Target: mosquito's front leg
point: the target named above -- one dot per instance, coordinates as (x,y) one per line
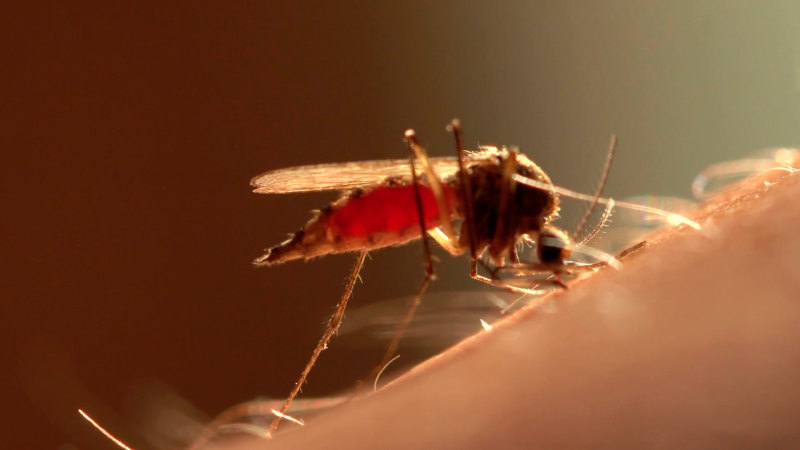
(513,255)
(523,268)
(530,268)
(500,241)
(511,288)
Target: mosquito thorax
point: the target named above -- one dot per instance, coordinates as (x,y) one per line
(504,209)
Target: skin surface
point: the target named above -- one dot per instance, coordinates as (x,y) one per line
(694,344)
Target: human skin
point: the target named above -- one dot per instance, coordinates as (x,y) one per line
(695,343)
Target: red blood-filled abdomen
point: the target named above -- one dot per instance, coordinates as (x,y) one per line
(387,210)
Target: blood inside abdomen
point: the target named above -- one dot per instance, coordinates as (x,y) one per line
(388,210)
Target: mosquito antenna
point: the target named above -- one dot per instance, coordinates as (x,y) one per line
(612,148)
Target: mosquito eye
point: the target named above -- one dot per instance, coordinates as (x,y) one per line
(553,246)
(551,253)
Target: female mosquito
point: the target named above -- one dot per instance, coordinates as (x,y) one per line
(501,197)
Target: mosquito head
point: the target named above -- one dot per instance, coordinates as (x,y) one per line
(553,246)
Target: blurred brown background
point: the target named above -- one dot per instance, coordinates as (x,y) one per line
(130,132)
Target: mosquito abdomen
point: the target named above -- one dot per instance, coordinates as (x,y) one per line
(366,219)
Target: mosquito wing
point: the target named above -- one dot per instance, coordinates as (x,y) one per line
(342,176)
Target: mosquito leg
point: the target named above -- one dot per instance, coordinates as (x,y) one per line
(513,255)
(532,268)
(506,191)
(556,270)
(632,249)
(434,183)
(536,268)
(466,194)
(451,245)
(333,326)
(510,288)
(496,282)
(468,226)
(525,268)
(416,151)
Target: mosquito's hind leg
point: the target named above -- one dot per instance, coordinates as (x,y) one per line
(333,325)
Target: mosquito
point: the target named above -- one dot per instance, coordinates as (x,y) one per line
(500,196)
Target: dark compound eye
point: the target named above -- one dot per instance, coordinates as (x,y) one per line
(553,246)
